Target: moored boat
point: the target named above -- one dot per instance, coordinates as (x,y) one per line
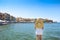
(3,22)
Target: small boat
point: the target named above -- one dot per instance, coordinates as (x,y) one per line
(3,22)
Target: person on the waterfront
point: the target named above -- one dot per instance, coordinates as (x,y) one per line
(39,25)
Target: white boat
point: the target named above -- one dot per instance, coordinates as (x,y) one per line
(3,22)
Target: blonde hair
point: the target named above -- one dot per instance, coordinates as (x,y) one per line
(39,23)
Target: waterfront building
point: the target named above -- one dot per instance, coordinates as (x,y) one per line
(1,16)
(12,18)
(17,19)
(7,16)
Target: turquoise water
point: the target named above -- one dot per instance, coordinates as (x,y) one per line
(51,31)
(26,31)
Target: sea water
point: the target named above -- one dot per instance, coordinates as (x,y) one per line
(26,31)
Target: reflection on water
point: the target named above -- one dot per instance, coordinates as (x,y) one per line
(26,31)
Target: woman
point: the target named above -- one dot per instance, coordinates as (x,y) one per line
(39,25)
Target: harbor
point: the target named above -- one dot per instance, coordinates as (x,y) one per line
(6,18)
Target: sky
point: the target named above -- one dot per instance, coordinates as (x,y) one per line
(49,9)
